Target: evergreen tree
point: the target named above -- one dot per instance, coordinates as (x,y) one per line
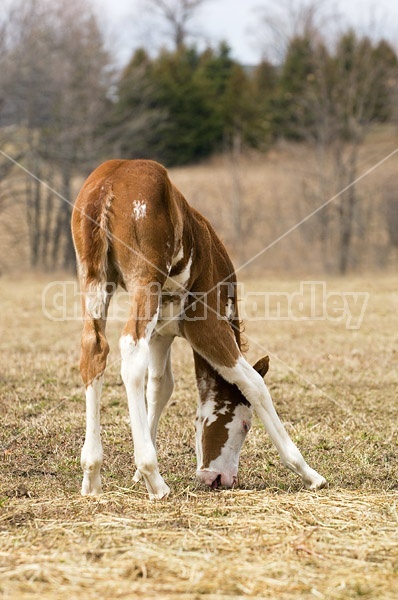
(136,124)
(288,111)
(189,132)
(183,105)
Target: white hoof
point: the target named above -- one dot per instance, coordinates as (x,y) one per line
(316,482)
(160,494)
(137,476)
(91,485)
(156,486)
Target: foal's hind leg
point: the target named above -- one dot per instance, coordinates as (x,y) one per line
(94,352)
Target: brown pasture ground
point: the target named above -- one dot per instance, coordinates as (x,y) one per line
(335,389)
(254,200)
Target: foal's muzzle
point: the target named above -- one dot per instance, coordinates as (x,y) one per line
(214,480)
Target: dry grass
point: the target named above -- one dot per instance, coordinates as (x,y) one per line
(279,188)
(276,190)
(334,388)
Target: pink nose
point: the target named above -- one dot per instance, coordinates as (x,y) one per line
(214,480)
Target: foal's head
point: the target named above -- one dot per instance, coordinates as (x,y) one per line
(223,419)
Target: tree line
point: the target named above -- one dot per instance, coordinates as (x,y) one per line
(184,105)
(64,107)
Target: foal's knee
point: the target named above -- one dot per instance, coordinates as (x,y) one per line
(135,359)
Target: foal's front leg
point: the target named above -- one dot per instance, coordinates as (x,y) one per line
(254,388)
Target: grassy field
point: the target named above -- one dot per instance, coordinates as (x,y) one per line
(254,200)
(336,391)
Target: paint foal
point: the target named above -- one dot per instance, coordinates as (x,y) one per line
(132,227)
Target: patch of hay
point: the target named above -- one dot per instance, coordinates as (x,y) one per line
(220,544)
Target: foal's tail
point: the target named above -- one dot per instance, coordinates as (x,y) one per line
(92,237)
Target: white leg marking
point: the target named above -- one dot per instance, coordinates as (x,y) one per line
(160,381)
(97,300)
(254,389)
(91,456)
(135,359)
(160,384)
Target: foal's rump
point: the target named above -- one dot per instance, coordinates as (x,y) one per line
(124,223)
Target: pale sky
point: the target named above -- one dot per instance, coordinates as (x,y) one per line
(236,21)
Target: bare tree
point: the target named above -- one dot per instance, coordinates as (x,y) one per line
(54,83)
(342,89)
(177,14)
(349,95)
(390,213)
(285,20)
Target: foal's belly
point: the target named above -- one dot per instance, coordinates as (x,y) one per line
(171,312)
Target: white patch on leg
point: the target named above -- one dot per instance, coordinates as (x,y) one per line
(160,384)
(160,381)
(91,456)
(96,298)
(252,386)
(135,359)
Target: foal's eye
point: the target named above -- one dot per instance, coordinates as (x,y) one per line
(245,426)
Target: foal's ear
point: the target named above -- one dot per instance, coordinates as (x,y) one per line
(262,365)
